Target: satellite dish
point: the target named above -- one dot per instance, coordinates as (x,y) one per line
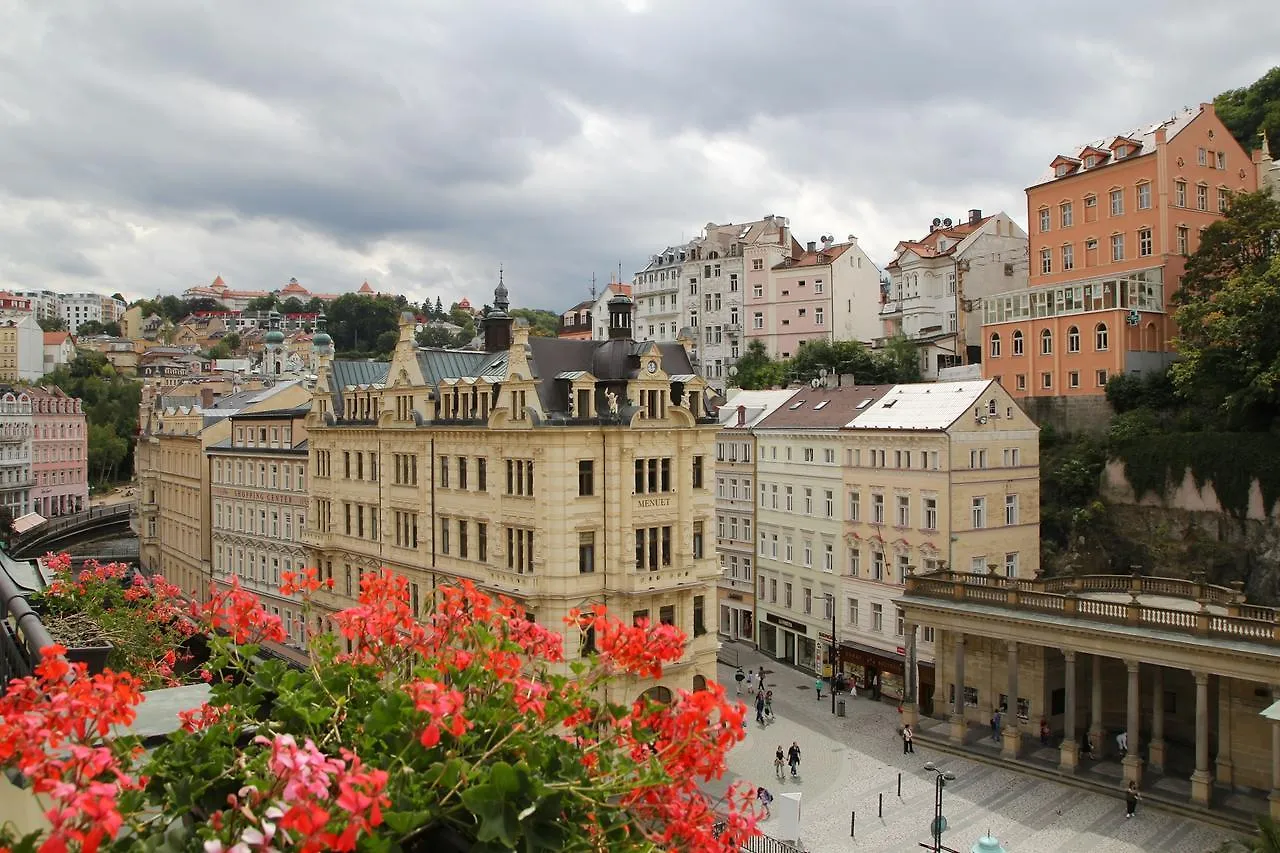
(947,222)
(936,222)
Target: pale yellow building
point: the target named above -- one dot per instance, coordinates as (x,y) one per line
(560,473)
(258,493)
(172,467)
(736,507)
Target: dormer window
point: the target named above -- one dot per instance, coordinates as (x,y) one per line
(1063,165)
(1062,169)
(1090,161)
(1122,152)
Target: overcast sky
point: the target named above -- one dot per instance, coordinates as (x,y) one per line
(149,145)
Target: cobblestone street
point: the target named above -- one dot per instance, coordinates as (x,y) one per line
(849,762)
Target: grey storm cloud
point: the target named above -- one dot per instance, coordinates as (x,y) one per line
(146,145)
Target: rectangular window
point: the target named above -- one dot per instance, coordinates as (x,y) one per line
(930,513)
(1202,197)
(1180,194)
(1183,240)
(1101,377)
(1224,199)
(1011,564)
(462,472)
(1117,247)
(444,536)
(586,478)
(1117,202)
(1068,257)
(444,472)
(1044,219)
(786,595)
(482,539)
(1010,509)
(819,318)
(854,507)
(698,469)
(877,509)
(1144,196)
(1144,242)
(586,553)
(979,513)
(482,473)
(829,503)
(877,618)
(1065,214)
(462,538)
(698,545)
(699,615)
(852,615)
(904,511)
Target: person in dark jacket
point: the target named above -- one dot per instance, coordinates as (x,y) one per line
(793,758)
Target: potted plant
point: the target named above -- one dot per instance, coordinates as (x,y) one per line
(466,730)
(84,639)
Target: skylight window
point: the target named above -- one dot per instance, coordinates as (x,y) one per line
(889,405)
(795,406)
(820,405)
(865,403)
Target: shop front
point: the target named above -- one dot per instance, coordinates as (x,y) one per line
(736,617)
(788,641)
(879,672)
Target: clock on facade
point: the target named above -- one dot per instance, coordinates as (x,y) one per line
(653,367)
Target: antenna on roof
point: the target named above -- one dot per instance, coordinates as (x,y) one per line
(593,287)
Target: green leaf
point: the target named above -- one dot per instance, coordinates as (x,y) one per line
(406,822)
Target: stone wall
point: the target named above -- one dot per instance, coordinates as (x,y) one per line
(1069,414)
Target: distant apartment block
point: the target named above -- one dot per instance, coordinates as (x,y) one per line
(1111,225)
(937,283)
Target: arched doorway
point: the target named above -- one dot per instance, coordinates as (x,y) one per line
(699,683)
(659,694)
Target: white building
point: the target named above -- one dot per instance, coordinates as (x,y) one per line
(937,283)
(78,308)
(736,506)
(21,347)
(15,451)
(700,286)
(45,304)
(59,349)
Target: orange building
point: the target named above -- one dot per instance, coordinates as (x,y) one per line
(1110,226)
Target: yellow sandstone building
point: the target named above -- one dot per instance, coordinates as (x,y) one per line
(560,473)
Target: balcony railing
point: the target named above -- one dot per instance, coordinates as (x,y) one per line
(1232,619)
(21,634)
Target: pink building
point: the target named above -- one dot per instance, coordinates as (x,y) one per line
(59,453)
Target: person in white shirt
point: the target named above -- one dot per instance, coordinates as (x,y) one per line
(1122,741)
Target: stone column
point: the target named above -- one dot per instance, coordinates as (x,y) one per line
(1155,752)
(1096,731)
(1275,758)
(1202,779)
(1068,754)
(958,725)
(1225,771)
(911,680)
(1012,727)
(1132,761)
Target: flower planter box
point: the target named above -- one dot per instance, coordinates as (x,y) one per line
(95,657)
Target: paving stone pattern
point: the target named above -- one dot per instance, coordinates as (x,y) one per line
(848,762)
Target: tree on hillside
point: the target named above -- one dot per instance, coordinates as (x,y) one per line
(436,336)
(357,323)
(1251,109)
(542,323)
(1227,334)
(757,370)
(263,303)
(52,324)
(110,402)
(93,327)
(292,305)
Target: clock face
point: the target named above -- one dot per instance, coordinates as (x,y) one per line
(653,367)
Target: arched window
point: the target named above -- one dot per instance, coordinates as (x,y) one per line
(1017,342)
(1046,342)
(1100,337)
(1073,339)
(995,344)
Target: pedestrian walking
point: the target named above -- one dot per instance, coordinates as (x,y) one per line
(1131,797)
(908,746)
(751,682)
(738,677)
(768,704)
(1122,741)
(1044,732)
(995,725)
(761,678)
(778,762)
(760,706)
(817,687)
(793,758)
(765,799)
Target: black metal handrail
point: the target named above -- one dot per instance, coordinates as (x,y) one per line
(22,636)
(54,526)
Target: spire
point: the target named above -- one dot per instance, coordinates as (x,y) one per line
(500,301)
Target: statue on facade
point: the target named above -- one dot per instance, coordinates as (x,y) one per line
(612,398)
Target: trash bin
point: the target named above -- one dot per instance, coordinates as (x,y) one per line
(840,708)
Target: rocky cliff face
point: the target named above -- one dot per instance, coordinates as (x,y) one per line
(1177,535)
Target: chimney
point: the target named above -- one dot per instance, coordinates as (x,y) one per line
(813,246)
(206,397)
(974,215)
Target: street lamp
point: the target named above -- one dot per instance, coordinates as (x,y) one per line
(834,654)
(942,777)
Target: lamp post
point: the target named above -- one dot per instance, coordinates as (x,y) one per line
(832,596)
(941,778)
